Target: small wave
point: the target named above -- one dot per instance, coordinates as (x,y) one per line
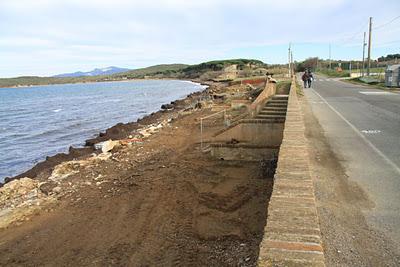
(57,110)
(190,82)
(110,101)
(198,84)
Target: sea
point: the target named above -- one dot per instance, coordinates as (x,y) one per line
(40,121)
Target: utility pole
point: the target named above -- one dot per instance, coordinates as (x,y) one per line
(363,61)
(289,65)
(330,61)
(291,60)
(369,46)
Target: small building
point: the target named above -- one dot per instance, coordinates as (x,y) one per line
(392,76)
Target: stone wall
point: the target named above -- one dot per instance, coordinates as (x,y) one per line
(292,235)
(267,93)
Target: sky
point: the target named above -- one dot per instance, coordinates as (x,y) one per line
(48,37)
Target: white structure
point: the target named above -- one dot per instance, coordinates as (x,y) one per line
(392,76)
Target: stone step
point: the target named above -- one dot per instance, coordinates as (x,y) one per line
(278,120)
(281,96)
(272,112)
(277,101)
(276,105)
(260,116)
(266,108)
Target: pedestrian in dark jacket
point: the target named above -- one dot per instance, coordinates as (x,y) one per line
(305,78)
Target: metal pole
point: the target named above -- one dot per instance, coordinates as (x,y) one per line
(330,61)
(369,46)
(291,59)
(289,66)
(363,61)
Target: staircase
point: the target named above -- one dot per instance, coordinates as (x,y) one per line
(275,109)
(253,138)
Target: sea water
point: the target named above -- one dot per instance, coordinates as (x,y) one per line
(41,121)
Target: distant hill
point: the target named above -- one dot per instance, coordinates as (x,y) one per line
(212,70)
(96,72)
(164,69)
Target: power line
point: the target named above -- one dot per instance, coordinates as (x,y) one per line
(347,40)
(350,38)
(385,24)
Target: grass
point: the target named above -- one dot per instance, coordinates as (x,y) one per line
(346,73)
(299,88)
(282,87)
(372,70)
(333,73)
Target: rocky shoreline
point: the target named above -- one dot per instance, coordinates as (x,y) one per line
(118,131)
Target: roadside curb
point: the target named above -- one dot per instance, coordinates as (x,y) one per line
(292,236)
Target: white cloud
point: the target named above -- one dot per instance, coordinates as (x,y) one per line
(63,34)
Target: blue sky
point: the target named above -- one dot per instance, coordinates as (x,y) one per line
(47,37)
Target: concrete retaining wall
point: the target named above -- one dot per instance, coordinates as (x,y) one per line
(243,152)
(268,92)
(292,235)
(258,133)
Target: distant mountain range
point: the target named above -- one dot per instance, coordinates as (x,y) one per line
(95,72)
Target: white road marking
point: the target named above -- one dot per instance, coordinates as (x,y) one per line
(371,131)
(375,93)
(380,153)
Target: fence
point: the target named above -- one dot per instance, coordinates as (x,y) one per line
(218,122)
(212,121)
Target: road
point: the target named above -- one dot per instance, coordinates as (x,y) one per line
(362,125)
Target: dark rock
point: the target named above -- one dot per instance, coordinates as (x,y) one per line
(198,105)
(167,106)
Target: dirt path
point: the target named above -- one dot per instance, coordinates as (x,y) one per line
(348,240)
(163,203)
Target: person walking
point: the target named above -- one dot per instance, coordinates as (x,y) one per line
(305,78)
(310,78)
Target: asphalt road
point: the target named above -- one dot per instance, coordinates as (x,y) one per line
(362,126)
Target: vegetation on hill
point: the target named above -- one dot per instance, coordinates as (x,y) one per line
(35,80)
(164,69)
(389,57)
(133,74)
(204,71)
(195,71)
